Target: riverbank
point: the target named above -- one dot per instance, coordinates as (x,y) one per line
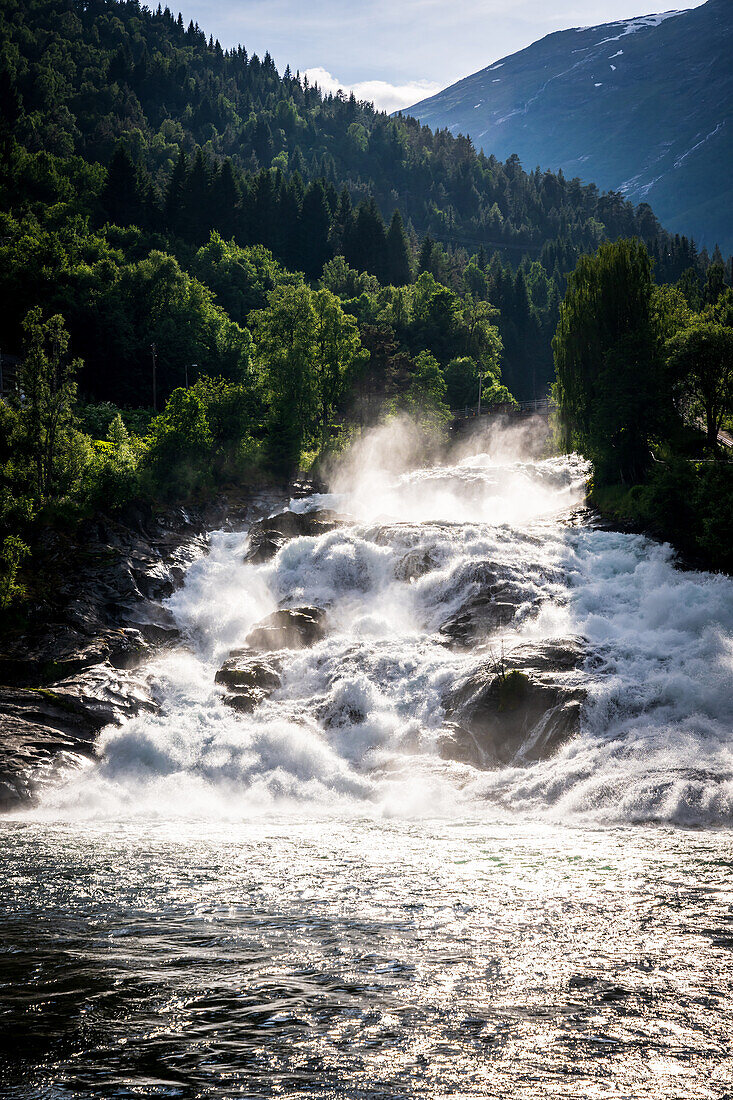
(686,503)
(73,663)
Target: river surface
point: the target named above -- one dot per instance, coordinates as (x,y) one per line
(312,901)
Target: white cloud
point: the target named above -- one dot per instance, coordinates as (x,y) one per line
(384,96)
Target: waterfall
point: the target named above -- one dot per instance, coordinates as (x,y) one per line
(438,576)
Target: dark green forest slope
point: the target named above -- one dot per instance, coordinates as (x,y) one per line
(117,116)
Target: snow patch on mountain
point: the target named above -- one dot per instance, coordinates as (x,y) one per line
(633,25)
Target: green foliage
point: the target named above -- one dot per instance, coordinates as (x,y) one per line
(179,445)
(461,377)
(425,394)
(46,410)
(241,278)
(306,348)
(134,136)
(608,361)
(686,503)
(637,371)
(512,687)
(113,476)
(13,551)
(700,360)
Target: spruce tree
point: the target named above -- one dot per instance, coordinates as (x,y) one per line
(124,196)
(175,196)
(425,257)
(399,271)
(313,230)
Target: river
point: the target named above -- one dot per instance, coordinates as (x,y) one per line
(324,897)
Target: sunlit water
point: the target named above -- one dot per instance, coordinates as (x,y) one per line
(309,900)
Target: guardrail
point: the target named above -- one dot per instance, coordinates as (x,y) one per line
(541,406)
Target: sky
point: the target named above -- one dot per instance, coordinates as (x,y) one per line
(396,52)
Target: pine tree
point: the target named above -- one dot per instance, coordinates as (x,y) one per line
(175,197)
(425,258)
(399,271)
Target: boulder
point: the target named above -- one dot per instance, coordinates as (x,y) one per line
(480,615)
(289,628)
(249,679)
(516,710)
(414,564)
(267,536)
(243,669)
(246,701)
(490,602)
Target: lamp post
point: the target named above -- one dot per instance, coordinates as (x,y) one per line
(153,352)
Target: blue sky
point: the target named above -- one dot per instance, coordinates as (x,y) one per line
(397,51)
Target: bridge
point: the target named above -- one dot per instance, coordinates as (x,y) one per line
(464,418)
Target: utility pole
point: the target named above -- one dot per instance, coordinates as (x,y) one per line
(153,352)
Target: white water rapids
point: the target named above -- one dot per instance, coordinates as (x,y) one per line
(354,728)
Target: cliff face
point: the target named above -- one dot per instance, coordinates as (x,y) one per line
(643,106)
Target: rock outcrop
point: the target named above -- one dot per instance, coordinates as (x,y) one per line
(249,679)
(478,617)
(267,536)
(94,617)
(414,564)
(492,602)
(289,628)
(43,729)
(518,710)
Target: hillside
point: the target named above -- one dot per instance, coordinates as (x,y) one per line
(642,106)
(126,136)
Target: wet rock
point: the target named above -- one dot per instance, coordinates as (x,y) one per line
(518,710)
(45,731)
(94,617)
(479,616)
(249,679)
(491,601)
(246,701)
(289,628)
(244,670)
(267,536)
(415,564)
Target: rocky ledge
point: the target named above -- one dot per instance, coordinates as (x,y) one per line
(516,710)
(267,536)
(250,675)
(97,617)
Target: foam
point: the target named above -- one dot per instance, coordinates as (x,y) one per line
(355,725)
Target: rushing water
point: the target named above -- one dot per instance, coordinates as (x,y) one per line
(311,900)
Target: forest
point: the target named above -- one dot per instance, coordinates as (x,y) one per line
(644,387)
(209,271)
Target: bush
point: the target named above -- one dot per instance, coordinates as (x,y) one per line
(13,551)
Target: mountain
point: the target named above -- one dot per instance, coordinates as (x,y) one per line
(79,77)
(643,106)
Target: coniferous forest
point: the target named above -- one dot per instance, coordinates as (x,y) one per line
(207,266)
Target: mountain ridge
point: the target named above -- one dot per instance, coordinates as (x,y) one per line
(642,106)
